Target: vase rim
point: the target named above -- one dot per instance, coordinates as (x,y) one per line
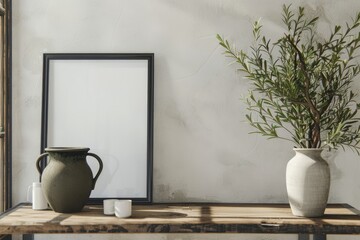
(67,149)
(308,149)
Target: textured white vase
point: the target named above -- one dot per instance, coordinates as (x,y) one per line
(308,182)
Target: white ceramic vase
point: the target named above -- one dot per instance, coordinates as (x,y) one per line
(308,182)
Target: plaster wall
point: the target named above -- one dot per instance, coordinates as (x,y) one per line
(202,149)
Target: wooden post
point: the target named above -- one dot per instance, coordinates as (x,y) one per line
(304,236)
(319,236)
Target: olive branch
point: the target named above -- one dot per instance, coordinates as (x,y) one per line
(302,84)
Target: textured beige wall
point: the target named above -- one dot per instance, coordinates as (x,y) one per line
(202,150)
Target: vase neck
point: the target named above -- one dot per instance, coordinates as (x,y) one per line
(309,152)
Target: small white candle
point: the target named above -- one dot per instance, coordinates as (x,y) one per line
(109,206)
(38,199)
(123,208)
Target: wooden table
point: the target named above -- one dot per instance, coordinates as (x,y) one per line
(184,218)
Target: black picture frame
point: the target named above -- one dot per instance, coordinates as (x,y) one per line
(50,59)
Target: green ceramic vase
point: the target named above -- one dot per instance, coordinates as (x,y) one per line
(67,179)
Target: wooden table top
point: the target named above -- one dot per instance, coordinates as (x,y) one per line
(183,218)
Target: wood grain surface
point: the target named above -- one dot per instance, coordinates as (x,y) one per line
(183,218)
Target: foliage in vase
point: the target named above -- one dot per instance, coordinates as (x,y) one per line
(302,82)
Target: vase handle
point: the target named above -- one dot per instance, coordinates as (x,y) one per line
(100,168)
(38,162)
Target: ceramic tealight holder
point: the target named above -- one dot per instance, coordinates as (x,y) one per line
(109,206)
(123,208)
